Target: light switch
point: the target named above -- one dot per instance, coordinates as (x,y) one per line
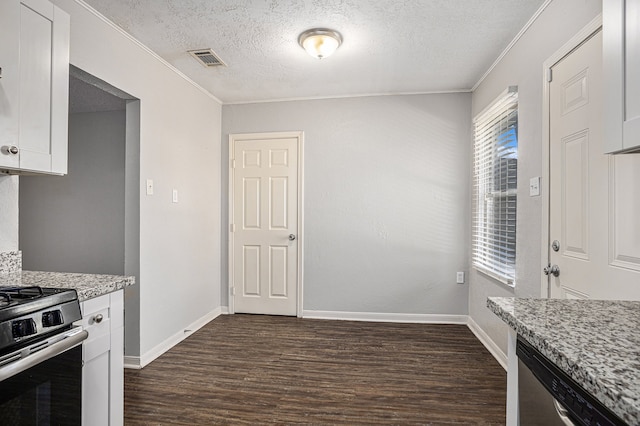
(149,186)
(534,186)
(174,196)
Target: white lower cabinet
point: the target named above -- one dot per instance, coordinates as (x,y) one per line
(103,358)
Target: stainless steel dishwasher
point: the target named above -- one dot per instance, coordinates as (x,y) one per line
(548,397)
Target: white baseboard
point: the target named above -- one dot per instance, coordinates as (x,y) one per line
(385,317)
(135,362)
(488,343)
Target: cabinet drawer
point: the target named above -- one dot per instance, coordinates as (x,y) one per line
(96,320)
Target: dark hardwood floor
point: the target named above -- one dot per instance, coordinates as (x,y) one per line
(253,369)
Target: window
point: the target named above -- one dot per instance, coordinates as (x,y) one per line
(495,170)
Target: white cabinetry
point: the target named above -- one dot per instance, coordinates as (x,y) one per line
(103,358)
(621,56)
(34,87)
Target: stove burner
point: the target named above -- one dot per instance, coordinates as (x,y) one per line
(5,299)
(32,292)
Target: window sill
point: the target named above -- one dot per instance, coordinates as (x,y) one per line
(507,282)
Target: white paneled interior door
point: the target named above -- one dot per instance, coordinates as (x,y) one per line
(264,228)
(594,198)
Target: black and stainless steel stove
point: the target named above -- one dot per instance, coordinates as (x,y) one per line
(40,356)
(30,313)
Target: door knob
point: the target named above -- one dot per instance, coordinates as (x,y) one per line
(11,149)
(552,269)
(292,237)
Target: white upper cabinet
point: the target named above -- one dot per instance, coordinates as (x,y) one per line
(34,87)
(621,55)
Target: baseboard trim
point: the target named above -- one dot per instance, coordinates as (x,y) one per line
(134,362)
(488,343)
(386,317)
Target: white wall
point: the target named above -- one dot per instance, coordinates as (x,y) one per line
(179,149)
(522,66)
(386,202)
(75,223)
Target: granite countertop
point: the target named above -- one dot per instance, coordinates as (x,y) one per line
(596,342)
(87,286)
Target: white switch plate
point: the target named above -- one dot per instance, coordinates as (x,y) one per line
(174,196)
(534,186)
(460,277)
(149,186)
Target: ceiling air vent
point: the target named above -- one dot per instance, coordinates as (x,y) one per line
(206,57)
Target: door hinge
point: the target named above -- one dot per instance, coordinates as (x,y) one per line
(233,291)
(232,227)
(233,164)
(549,75)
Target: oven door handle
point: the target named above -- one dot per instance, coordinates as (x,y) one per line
(73,338)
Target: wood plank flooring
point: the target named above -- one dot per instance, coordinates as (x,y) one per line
(254,369)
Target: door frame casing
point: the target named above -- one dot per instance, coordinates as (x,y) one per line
(299,136)
(583,35)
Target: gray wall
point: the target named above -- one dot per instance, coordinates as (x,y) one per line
(75,223)
(522,66)
(386,201)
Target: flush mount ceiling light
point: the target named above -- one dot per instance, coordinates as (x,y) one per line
(320,42)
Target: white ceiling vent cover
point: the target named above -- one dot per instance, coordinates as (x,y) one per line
(207,58)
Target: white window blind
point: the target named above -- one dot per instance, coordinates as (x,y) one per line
(495,182)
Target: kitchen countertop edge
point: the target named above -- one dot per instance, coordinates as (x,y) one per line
(610,392)
(88,286)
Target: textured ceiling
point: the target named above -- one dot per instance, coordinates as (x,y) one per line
(390,46)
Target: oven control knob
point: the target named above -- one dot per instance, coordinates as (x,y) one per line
(23,328)
(52,318)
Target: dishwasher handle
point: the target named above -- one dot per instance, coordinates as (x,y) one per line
(71,338)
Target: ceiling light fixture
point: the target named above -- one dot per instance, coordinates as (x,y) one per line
(320,42)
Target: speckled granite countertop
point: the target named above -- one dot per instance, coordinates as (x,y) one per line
(88,286)
(596,342)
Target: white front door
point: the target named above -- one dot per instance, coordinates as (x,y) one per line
(265,236)
(594,198)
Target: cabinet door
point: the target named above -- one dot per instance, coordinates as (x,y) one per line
(9,82)
(103,357)
(631,119)
(621,66)
(44,87)
(96,355)
(95,390)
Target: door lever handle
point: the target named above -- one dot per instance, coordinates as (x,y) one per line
(292,237)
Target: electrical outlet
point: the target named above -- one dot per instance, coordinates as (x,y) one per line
(460,277)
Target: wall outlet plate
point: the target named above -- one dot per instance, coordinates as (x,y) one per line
(460,277)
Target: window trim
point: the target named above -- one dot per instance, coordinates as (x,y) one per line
(504,103)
